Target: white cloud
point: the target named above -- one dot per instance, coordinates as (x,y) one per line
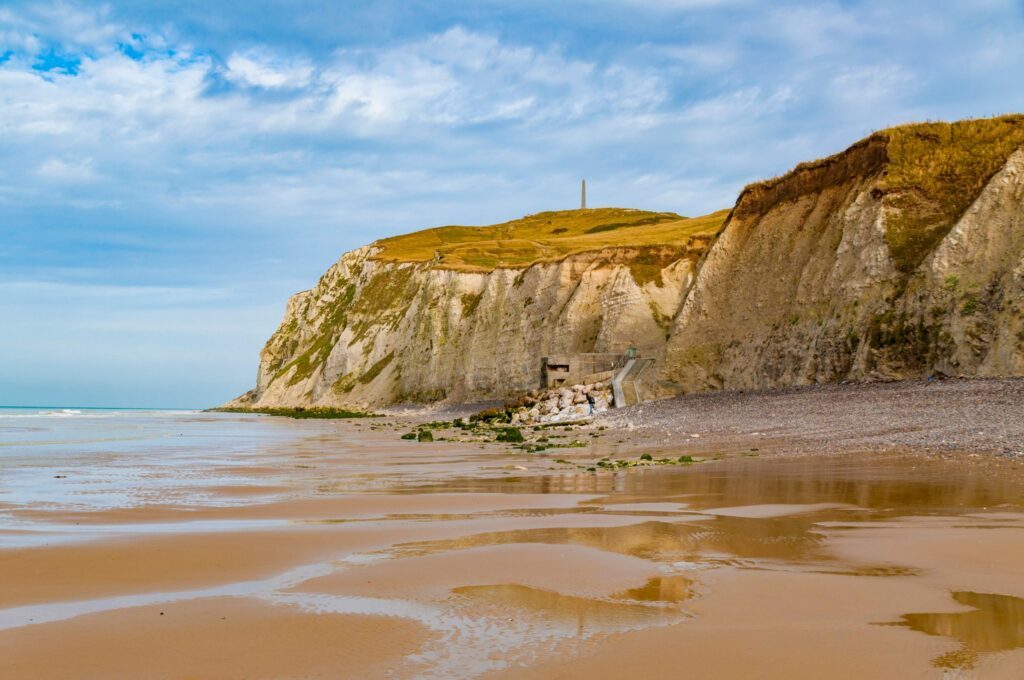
(164,132)
(676,4)
(871,86)
(748,102)
(17,40)
(711,57)
(817,29)
(66,171)
(454,78)
(262,70)
(70,25)
(459,77)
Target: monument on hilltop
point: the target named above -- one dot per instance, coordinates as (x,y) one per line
(583,195)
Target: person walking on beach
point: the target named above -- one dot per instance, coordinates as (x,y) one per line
(590,402)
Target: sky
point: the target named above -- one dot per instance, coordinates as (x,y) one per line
(170,172)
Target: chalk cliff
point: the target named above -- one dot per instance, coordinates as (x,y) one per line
(900,257)
(466,313)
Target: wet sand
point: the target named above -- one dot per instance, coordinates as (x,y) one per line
(224,638)
(339,550)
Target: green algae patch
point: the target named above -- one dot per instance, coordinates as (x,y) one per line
(300,412)
(510,434)
(645,460)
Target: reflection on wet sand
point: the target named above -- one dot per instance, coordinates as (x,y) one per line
(995,623)
(660,589)
(891,485)
(585,615)
(710,539)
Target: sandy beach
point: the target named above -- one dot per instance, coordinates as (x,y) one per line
(235,546)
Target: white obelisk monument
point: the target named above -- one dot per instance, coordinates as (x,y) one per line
(583,195)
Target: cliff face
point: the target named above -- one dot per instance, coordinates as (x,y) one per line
(895,259)
(376,332)
(898,258)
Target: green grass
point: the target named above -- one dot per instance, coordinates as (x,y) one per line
(545,237)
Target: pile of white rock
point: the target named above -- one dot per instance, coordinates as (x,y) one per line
(562,404)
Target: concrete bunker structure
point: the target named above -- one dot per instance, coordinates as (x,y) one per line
(623,371)
(562,370)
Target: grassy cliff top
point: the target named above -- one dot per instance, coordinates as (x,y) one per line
(930,173)
(934,173)
(546,236)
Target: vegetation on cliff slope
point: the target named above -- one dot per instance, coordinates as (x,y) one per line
(928,174)
(934,173)
(544,237)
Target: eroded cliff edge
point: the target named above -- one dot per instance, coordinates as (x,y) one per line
(900,257)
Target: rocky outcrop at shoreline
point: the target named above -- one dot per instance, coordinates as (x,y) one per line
(563,404)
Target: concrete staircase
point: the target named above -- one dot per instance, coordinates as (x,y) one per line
(625,390)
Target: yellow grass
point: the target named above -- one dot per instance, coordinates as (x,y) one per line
(546,236)
(929,172)
(934,173)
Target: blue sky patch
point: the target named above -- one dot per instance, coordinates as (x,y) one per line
(53,61)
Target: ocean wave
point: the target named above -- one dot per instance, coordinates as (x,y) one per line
(86,413)
(58,413)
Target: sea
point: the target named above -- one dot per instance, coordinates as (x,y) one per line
(91,458)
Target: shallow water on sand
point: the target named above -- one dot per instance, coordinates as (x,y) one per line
(993,623)
(507,563)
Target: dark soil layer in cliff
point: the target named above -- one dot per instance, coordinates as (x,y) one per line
(974,416)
